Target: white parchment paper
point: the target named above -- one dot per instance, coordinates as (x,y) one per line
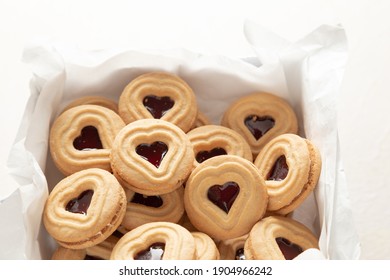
(307,73)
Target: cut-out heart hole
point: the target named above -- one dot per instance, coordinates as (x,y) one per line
(240,254)
(279,170)
(223,196)
(154,252)
(88,140)
(154,153)
(151,201)
(290,250)
(259,126)
(204,155)
(80,204)
(157,105)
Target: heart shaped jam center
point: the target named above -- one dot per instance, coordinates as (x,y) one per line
(240,254)
(259,126)
(279,170)
(81,203)
(290,250)
(151,201)
(154,153)
(88,140)
(224,195)
(157,105)
(204,155)
(154,252)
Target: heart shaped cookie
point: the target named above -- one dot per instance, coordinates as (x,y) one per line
(225,196)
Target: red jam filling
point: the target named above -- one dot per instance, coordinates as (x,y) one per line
(81,203)
(154,153)
(240,254)
(204,155)
(289,249)
(279,170)
(259,126)
(88,140)
(151,201)
(154,252)
(157,105)
(223,195)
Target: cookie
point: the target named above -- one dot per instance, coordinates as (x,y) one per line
(159,95)
(278,238)
(84,208)
(259,117)
(94,100)
(225,196)
(142,209)
(232,249)
(155,241)
(214,140)
(152,156)
(290,166)
(205,247)
(82,137)
(201,120)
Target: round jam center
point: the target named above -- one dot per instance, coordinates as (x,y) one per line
(289,249)
(154,153)
(204,155)
(88,140)
(279,170)
(240,254)
(151,201)
(154,252)
(81,203)
(259,126)
(224,195)
(157,105)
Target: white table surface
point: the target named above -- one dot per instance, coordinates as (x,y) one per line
(216,27)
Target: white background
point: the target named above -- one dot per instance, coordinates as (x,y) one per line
(216,27)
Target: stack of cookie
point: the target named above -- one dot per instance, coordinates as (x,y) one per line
(149,177)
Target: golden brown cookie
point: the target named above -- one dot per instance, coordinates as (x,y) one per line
(201,120)
(214,140)
(152,157)
(225,196)
(84,208)
(156,241)
(94,100)
(232,249)
(290,166)
(82,136)
(278,238)
(206,249)
(159,95)
(259,117)
(142,209)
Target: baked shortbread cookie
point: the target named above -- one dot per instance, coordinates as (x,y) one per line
(232,249)
(206,249)
(94,100)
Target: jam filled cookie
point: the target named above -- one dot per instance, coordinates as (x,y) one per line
(94,100)
(152,157)
(82,136)
(84,208)
(278,238)
(215,140)
(259,117)
(225,196)
(142,209)
(160,96)
(205,247)
(201,120)
(156,241)
(290,166)
(232,249)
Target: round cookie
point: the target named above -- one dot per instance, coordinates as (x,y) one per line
(82,136)
(84,208)
(205,247)
(259,117)
(214,140)
(278,238)
(142,209)
(232,249)
(159,95)
(225,196)
(290,166)
(94,100)
(156,241)
(152,157)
